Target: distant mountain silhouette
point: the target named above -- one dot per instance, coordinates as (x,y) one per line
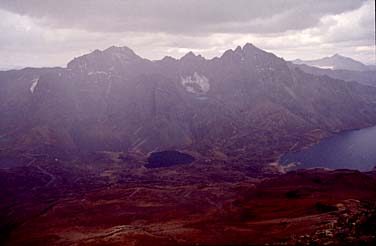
(364,77)
(335,62)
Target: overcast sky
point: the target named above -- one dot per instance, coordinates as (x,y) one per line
(52,32)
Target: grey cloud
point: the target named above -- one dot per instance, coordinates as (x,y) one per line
(50,33)
(180,16)
(361,25)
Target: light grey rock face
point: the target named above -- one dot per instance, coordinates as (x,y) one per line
(247,101)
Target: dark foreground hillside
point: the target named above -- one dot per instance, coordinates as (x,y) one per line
(185,205)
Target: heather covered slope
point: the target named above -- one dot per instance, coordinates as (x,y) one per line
(185,206)
(246,103)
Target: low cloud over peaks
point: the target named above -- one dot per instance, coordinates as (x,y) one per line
(154,28)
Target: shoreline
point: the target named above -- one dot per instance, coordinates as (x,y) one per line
(292,164)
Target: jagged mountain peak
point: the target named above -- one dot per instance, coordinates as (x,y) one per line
(168,58)
(103,60)
(190,56)
(248,54)
(120,50)
(250,49)
(238,49)
(249,46)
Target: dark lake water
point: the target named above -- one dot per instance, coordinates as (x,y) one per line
(168,158)
(351,150)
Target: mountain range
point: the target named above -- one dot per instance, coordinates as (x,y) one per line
(115,149)
(363,77)
(339,67)
(336,62)
(247,104)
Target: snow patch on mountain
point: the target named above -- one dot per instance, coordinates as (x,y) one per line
(197,84)
(324,67)
(34,84)
(96,72)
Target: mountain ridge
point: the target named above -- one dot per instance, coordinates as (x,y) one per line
(247,103)
(335,62)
